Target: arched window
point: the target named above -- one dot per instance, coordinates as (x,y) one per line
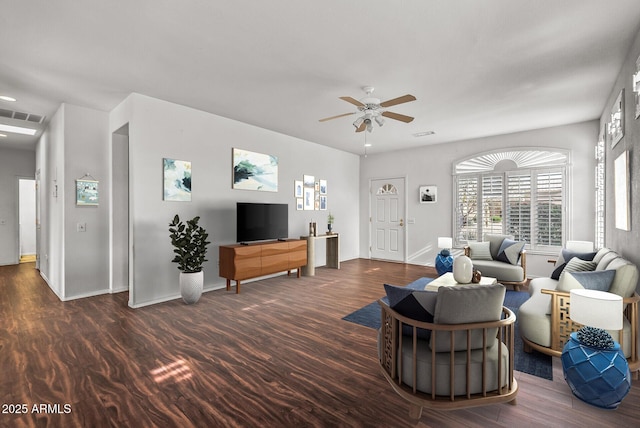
(519,192)
(387,189)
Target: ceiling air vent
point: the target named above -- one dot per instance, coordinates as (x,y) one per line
(28,117)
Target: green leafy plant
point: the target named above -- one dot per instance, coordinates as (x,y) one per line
(330,219)
(190,242)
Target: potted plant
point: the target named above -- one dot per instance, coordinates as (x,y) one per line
(330,220)
(190,246)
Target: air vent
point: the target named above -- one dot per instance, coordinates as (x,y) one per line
(28,117)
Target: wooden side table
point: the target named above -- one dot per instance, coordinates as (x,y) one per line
(333,253)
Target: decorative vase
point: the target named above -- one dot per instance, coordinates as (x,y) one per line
(191,286)
(477,276)
(598,376)
(462,269)
(329,227)
(444,262)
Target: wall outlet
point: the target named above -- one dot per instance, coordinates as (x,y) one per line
(81,227)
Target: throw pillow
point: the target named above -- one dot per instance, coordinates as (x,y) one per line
(564,257)
(578,265)
(479,251)
(510,251)
(596,280)
(467,304)
(415,304)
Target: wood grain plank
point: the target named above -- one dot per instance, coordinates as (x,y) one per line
(276,355)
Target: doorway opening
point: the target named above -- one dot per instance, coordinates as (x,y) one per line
(27,220)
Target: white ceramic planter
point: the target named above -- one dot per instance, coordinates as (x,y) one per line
(462,269)
(191,286)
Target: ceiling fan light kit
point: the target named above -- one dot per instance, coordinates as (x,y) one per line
(372,108)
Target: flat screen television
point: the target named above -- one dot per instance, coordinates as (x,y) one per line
(260,222)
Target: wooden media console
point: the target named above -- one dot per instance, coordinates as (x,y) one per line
(239,261)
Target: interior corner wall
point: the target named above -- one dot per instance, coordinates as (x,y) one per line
(627,243)
(86,152)
(50,233)
(74,264)
(14,163)
(159,129)
(432,165)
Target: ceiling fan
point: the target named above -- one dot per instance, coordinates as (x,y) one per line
(374,110)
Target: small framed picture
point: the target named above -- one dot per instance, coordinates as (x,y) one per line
(297,188)
(308,199)
(309,180)
(299,204)
(86,192)
(616,121)
(323,203)
(428,194)
(323,187)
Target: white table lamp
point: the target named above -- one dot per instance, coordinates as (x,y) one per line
(597,309)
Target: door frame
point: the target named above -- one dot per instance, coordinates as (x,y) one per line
(18,239)
(405,179)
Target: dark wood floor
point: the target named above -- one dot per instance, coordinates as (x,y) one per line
(277,355)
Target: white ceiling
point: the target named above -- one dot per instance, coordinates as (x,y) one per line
(477,68)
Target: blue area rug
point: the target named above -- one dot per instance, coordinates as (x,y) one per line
(535,363)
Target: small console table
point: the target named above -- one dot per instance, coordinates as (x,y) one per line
(333,252)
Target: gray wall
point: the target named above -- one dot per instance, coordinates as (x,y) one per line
(13,164)
(432,165)
(626,243)
(158,129)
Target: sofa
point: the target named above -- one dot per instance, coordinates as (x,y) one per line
(500,257)
(543,320)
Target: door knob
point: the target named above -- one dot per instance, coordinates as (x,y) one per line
(401,222)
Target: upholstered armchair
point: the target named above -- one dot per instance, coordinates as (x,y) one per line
(464,358)
(500,257)
(544,319)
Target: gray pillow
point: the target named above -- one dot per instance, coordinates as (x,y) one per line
(479,251)
(596,280)
(467,304)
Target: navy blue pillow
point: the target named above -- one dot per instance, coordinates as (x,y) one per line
(415,304)
(568,255)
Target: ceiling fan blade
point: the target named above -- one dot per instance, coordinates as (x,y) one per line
(362,127)
(335,117)
(397,116)
(352,101)
(400,100)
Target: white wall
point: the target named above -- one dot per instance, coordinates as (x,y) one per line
(432,165)
(158,129)
(74,264)
(13,164)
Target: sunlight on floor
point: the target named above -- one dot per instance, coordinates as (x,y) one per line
(257,305)
(178,371)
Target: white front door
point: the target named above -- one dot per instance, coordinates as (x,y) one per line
(387,219)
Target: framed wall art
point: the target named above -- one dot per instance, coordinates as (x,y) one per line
(636,88)
(309,198)
(621,184)
(323,187)
(177,180)
(428,194)
(254,171)
(297,188)
(86,192)
(616,121)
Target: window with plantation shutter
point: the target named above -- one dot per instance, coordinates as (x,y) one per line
(466,210)
(492,193)
(517,192)
(599,185)
(518,212)
(548,218)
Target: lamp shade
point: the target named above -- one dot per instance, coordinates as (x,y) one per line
(444,242)
(597,309)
